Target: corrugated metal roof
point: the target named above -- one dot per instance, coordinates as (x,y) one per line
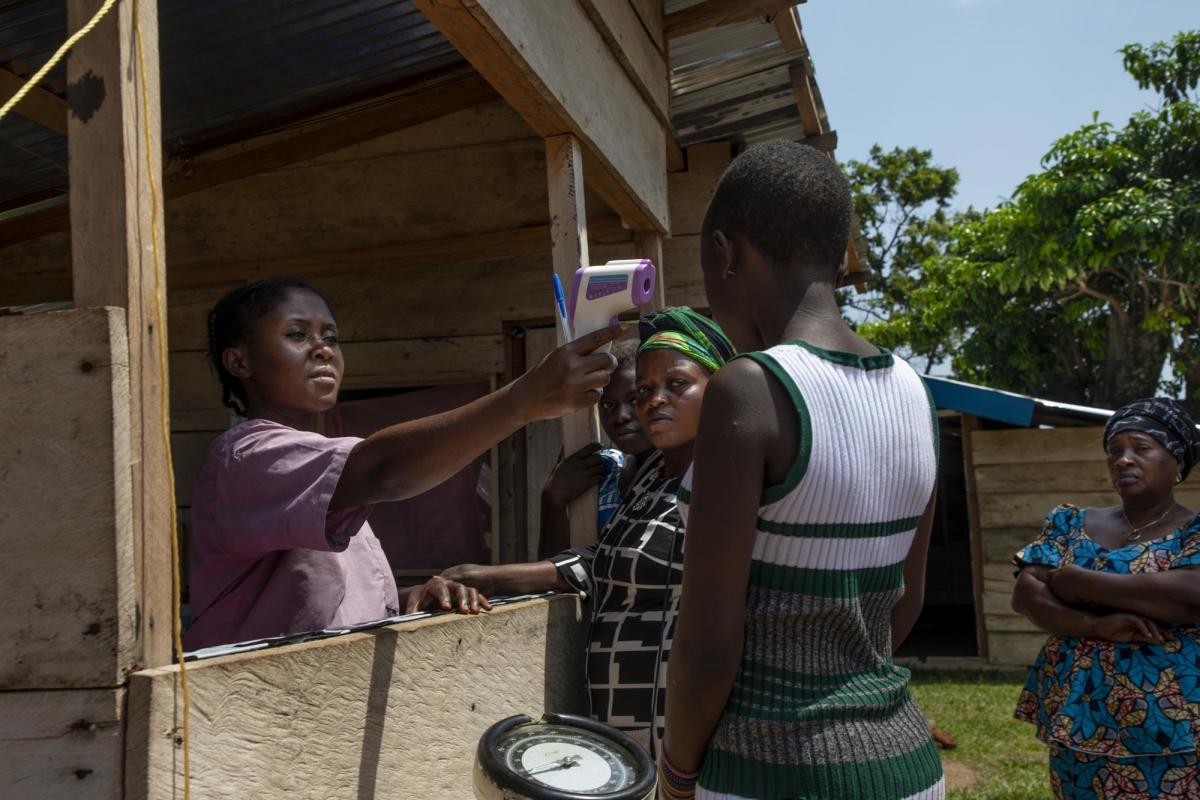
(226,66)
(732,82)
(233,67)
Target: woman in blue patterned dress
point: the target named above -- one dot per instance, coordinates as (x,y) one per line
(1115,691)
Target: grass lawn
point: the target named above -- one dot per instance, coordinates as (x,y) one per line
(997,758)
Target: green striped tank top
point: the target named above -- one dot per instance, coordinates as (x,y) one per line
(818,709)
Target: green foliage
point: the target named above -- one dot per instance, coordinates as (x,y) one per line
(1083,285)
(901,200)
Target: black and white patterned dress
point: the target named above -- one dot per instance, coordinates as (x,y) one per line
(632,576)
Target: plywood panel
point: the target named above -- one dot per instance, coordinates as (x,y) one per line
(1012,647)
(1003,574)
(997,602)
(66,579)
(434,361)
(349,201)
(413,301)
(1000,586)
(691,190)
(1066,477)
(62,744)
(1037,445)
(630,41)
(394,713)
(1029,510)
(1012,622)
(999,544)
(189,450)
(543,444)
(651,14)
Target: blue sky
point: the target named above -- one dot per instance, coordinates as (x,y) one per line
(986,84)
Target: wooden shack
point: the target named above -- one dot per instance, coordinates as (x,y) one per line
(1020,457)
(428,165)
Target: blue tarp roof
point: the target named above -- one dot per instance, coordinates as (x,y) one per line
(1008,407)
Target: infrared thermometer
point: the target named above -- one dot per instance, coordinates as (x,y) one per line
(600,294)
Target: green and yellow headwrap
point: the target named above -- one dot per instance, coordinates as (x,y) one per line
(682,329)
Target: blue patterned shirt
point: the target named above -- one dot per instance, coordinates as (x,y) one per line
(1115,699)
(608,494)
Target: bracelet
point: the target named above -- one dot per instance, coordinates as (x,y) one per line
(674,784)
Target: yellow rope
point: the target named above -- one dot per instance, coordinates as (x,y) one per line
(54,59)
(160,322)
(161,326)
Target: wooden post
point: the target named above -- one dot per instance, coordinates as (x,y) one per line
(115,185)
(648,244)
(970,424)
(569,251)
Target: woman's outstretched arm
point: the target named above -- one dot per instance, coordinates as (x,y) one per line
(404,460)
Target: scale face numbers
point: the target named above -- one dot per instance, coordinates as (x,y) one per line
(568,759)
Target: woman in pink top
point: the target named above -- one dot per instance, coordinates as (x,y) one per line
(280,540)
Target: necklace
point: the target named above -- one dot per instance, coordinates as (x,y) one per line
(1135,533)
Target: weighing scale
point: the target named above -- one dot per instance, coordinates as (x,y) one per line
(561,757)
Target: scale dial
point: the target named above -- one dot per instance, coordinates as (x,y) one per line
(563,757)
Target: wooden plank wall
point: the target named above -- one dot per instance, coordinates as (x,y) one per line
(68,589)
(1020,475)
(65,502)
(416,324)
(478,171)
(396,712)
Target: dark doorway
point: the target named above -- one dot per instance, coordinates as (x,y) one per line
(946,627)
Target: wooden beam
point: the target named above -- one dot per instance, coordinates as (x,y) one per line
(427,102)
(450,250)
(650,12)
(649,244)
(569,251)
(713,13)
(622,30)
(548,61)
(114,181)
(41,106)
(975,535)
(825,142)
(810,115)
(787,25)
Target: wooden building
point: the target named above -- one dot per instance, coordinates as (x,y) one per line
(428,164)
(1006,461)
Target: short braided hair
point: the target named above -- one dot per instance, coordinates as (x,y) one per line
(232,319)
(787,199)
(625,351)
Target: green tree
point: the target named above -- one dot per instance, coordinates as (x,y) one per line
(902,204)
(1083,286)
